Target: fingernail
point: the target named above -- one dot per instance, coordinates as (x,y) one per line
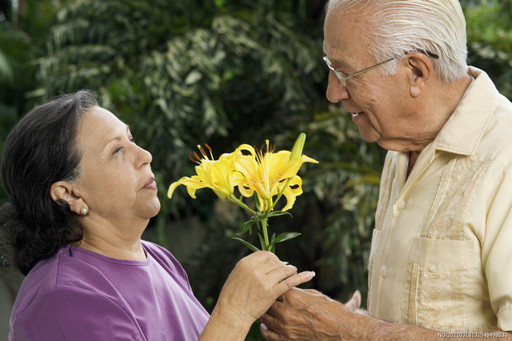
(285,263)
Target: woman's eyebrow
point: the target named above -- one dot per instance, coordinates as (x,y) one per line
(116,137)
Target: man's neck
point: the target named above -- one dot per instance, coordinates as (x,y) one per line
(445,100)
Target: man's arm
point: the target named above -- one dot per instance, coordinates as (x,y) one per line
(310,315)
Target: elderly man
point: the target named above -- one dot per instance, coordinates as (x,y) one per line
(441,256)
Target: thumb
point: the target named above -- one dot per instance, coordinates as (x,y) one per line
(355,302)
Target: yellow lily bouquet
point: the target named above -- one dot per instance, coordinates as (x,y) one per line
(267,176)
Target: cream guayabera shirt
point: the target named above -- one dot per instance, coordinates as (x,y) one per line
(441,254)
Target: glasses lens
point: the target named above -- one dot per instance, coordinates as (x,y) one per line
(338,73)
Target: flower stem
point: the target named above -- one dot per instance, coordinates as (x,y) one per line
(265,234)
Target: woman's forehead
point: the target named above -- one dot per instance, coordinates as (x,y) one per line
(98,125)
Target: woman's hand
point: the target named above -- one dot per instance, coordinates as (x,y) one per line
(252,287)
(255,283)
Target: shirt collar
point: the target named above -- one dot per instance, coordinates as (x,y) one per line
(463,131)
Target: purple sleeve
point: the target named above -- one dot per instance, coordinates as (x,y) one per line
(74,314)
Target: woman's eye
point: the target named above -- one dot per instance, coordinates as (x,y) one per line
(118,149)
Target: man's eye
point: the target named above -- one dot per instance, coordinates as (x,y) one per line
(342,74)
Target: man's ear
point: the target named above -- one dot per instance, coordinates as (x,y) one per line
(420,69)
(65,191)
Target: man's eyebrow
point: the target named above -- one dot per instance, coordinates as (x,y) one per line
(337,64)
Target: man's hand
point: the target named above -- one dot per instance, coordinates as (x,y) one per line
(307,315)
(354,304)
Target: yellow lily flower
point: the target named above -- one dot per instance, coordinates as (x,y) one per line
(218,175)
(269,174)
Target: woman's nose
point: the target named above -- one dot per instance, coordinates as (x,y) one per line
(144,157)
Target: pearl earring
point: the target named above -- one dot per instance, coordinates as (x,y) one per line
(84,211)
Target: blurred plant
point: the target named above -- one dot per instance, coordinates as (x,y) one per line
(22,37)
(489,31)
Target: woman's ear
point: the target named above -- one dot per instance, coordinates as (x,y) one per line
(420,70)
(65,191)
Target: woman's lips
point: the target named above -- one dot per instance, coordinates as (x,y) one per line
(151,184)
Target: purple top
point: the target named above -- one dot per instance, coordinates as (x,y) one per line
(81,295)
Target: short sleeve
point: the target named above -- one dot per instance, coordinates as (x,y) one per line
(74,314)
(497,252)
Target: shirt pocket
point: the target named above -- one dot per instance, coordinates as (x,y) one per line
(438,273)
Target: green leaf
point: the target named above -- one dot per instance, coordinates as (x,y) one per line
(286,236)
(249,245)
(262,242)
(278,213)
(247,226)
(272,239)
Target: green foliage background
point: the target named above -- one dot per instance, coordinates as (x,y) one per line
(183,73)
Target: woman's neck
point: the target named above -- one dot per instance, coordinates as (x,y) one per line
(120,250)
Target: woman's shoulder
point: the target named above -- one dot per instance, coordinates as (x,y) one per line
(159,253)
(64,300)
(60,275)
(166,260)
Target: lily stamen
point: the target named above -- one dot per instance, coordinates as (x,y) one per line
(197,158)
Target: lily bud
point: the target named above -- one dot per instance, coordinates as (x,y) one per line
(297,147)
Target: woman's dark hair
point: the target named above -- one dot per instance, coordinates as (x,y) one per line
(39,151)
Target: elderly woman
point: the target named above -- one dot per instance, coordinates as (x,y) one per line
(81,192)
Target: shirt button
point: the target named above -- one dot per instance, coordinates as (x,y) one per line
(432,268)
(401,204)
(473,158)
(384,271)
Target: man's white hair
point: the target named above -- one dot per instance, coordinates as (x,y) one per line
(400,26)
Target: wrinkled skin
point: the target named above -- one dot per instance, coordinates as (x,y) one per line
(306,315)
(252,287)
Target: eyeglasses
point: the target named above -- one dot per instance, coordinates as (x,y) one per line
(342,76)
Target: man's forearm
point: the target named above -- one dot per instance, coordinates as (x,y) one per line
(372,329)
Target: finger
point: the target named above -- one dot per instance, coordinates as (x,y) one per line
(269,322)
(281,272)
(271,264)
(267,319)
(312,291)
(362,312)
(292,281)
(268,334)
(355,302)
(299,278)
(266,256)
(274,308)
